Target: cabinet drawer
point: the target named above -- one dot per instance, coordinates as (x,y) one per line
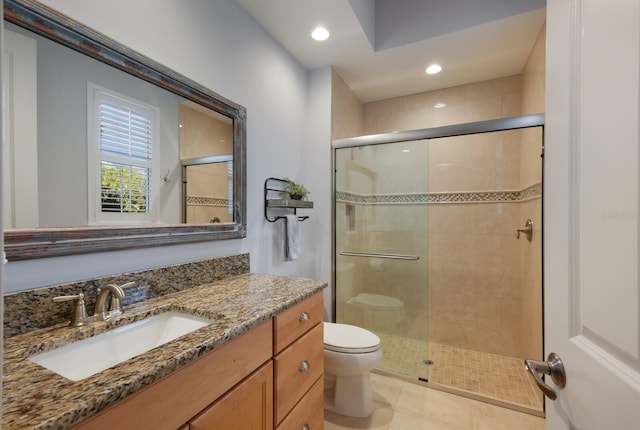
(309,411)
(297,368)
(296,321)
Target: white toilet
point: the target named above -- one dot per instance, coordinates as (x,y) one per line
(350,353)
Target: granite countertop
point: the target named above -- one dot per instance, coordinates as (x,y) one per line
(36,398)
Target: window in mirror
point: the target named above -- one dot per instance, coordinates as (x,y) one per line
(122,134)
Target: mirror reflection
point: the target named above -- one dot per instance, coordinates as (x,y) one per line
(90,145)
(207,165)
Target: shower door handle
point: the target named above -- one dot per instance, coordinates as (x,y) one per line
(552,367)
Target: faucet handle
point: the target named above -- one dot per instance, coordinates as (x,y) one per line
(68,298)
(80,316)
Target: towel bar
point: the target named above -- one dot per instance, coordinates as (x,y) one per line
(300,218)
(376,255)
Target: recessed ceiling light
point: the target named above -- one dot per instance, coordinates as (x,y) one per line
(439,105)
(433,69)
(320,34)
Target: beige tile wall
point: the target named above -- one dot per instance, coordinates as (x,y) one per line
(484,286)
(346,110)
(474,266)
(488,161)
(533,77)
(531,285)
(474,260)
(202,135)
(497,98)
(533,89)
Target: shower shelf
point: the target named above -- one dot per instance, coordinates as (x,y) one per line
(273,188)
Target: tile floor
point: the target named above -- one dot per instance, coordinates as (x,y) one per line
(469,373)
(401,405)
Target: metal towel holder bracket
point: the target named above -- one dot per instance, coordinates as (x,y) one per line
(274,198)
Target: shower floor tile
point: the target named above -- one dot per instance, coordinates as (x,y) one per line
(465,372)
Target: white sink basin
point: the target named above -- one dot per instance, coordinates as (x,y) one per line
(87,357)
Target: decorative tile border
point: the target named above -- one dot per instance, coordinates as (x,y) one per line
(531,192)
(428,198)
(207,201)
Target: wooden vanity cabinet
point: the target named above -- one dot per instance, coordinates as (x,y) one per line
(270,377)
(185,393)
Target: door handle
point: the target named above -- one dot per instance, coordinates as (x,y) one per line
(552,367)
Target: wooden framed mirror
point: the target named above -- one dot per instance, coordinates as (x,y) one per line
(71,213)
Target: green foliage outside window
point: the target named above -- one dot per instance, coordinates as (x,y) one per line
(124,188)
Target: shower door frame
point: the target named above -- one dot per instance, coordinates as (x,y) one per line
(488,126)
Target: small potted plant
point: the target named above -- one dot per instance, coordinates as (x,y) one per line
(294,190)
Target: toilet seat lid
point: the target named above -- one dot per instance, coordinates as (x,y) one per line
(349,339)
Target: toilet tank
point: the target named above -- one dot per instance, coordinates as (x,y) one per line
(345,281)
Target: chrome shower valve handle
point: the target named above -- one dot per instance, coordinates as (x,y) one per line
(527,230)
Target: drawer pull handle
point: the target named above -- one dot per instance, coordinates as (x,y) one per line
(304,366)
(304,317)
(305,427)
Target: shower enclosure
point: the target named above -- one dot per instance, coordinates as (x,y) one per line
(207,189)
(427,254)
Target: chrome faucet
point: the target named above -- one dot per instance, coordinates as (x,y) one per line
(101,312)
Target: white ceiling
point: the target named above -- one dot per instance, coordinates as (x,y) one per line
(382,47)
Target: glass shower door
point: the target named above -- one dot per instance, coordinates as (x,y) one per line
(381,249)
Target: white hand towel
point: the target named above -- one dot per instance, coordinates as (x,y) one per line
(292,248)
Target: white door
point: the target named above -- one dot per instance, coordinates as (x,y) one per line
(591,207)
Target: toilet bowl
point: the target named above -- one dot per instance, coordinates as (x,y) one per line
(350,353)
